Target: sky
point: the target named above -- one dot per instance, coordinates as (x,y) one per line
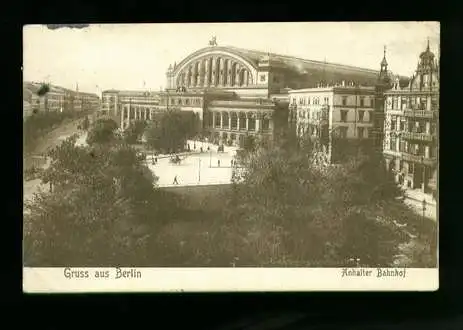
(136,56)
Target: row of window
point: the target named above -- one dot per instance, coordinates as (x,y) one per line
(416,149)
(415,102)
(251,122)
(316,115)
(362,132)
(364,101)
(341,131)
(361,116)
(416,126)
(182,101)
(308,100)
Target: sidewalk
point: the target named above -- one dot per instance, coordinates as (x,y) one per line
(419,196)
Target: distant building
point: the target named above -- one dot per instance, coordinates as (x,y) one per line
(343,111)
(245,92)
(58,99)
(411,126)
(126,106)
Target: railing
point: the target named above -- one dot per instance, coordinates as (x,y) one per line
(418,158)
(420,113)
(242,103)
(418,136)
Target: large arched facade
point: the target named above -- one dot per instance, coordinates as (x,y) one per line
(214,67)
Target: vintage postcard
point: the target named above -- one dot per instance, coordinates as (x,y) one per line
(231,157)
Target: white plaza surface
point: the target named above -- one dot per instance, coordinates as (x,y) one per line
(194,169)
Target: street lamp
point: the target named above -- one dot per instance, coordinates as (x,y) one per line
(199,171)
(210,158)
(424,207)
(424,173)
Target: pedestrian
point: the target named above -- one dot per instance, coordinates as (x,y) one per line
(201,149)
(208,148)
(175,180)
(189,147)
(231,162)
(194,146)
(155,160)
(218,162)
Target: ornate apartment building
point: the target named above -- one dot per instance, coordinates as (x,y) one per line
(411,126)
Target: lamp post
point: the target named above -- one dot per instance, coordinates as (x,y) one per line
(210,158)
(424,174)
(424,207)
(199,171)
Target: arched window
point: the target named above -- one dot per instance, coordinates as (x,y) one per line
(217,71)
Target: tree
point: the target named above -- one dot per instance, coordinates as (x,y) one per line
(249,143)
(103,198)
(85,123)
(102,132)
(43,89)
(134,132)
(169,131)
(293,209)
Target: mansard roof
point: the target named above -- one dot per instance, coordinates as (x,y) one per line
(298,65)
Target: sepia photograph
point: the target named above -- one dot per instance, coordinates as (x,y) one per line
(303,152)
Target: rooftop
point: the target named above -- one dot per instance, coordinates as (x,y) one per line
(132,92)
(333,88)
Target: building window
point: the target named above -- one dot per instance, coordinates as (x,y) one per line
(343,132)
(362,101)
(326,100)
(300,100)
(411,168)
(308,101)
(395,103)
(344,115)
(360,131)
(262,78)
(344,100)
(393,122)
(266,124)
(294,101)
(361,115)
(392,143)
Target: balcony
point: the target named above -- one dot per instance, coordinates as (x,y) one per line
(420,114)
(418,136)
(418,159)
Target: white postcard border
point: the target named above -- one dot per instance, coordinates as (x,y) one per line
(57,280)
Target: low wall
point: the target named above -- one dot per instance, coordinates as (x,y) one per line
(201,197)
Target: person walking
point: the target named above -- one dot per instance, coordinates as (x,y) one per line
(218,162)
(175,180)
